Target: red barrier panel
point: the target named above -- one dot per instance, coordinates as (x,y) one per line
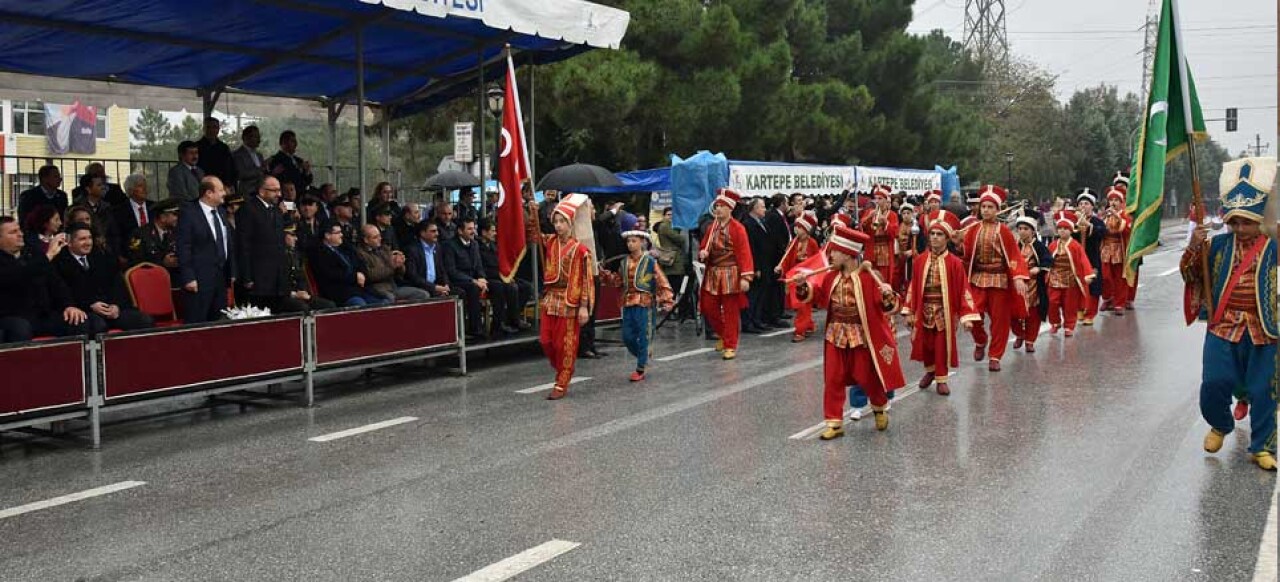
(179,358)
(345,336)
(41,376)
(609,304)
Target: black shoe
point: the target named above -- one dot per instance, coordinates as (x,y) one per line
(588,355)
(753,330)
(776,325)
(523,325)
(508,329)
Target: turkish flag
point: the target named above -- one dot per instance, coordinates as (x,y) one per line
(513,174)
(817,262)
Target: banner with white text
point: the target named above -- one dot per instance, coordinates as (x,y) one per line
(899,180)
(767,179)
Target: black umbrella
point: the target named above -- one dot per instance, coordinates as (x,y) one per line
(574,177)
(451,180)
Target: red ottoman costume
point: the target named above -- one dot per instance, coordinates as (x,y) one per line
(729,264)
(1069,277)
(938,299)
(798,252)
(568,285)
(994,264)
(1116,291)
(882,227)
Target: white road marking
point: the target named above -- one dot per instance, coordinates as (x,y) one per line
(778,333)
(673,357)
(1140,285)
(1268,561)
(333,436)
(550,385)
(521,562)
(1169,272)
(71,498)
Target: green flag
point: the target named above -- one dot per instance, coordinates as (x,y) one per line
(1173,118)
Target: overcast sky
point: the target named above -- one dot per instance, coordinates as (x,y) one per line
(1230,46)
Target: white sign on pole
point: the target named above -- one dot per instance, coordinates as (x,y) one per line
(462,148)
(909,181)
(766,180)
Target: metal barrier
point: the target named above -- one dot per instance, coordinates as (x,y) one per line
(45,382)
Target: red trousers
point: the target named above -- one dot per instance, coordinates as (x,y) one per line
(559,339)
(844,367)
(995,304)
(1087,306)
(1116,291)
(936,355)
(1064,305)
(724,313)
(1028,329)
(804,319)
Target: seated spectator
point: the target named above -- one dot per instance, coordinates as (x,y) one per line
(95,283)
(78,214)
(508,299)
(466,209)
(328,194)
(443,217)
(381,218)
(383,267)
(344,216)
(155,243)
(300,299)
(104,224)
(466,272)
(309,224)
(46,193)
(353,197)
(41,226)
(339,273)
(406,225)
(114,196)
(424,261)
(185,176)
(136,211)
(383,193)
(34,301)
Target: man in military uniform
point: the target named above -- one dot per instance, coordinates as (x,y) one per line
(300,298)
(156,242)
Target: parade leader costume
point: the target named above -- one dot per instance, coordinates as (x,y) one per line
(938,299)
(1240,346)
(568,283)
(802,248)
(730,270)
(860,345)
(997,276)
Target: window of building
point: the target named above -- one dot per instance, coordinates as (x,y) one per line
(28,118)
(100,130)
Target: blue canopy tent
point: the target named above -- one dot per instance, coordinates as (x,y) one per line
(655,180)
(396,55)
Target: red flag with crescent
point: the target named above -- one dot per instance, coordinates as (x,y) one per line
(513,174)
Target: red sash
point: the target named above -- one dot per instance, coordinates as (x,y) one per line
(1245,264)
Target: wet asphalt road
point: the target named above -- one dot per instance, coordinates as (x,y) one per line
(1080,462)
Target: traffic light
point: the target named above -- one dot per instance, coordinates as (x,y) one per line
(1233,119)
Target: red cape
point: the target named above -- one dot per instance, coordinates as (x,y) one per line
(1079,263)
(875,324)
(956,300)
(1017,264)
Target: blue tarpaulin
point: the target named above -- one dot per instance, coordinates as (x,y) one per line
(414,51)
(655,180)
(694,182)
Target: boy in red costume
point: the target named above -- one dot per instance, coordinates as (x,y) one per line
(937,300)
(881,224)
(802,247)
(860,346)
(1116,292)
(1069,277)
(568,294)
(727,254)
(997,276)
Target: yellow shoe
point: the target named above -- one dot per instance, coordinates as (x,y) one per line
(1213,441)
(719,345)
(729,354)
(882,420)
(832,432)
(1087,322)
(1264,461)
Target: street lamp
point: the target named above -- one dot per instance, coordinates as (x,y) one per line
(1008,160)
(495,97)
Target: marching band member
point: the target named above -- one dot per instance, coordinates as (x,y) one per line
(937,300)
(1069,277)
(568,287)
(801,248)
(881,224)
(997,276)
(1116,291)
(1039,261)
(730,270)
(645,290)
(1090,230)
(909,233)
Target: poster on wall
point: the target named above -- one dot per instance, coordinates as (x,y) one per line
(900,180)
(70,128)
(769,179)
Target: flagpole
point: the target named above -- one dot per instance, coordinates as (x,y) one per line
(1197,198)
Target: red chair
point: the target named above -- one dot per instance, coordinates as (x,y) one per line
(149,288)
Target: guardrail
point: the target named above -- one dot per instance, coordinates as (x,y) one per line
(65,379)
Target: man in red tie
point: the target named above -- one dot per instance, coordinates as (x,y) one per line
(137,211)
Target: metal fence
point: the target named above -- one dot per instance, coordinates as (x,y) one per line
(19,173)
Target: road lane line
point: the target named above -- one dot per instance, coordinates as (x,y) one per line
(1268,561)
(71,498)
(521,562)
(674,357)
(333,436)
(1169,272)
(550,385)
(778,333)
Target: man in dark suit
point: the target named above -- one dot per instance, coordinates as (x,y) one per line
(762,253)
(309,224)
(95,283)
(46,193)
(424,261)
(780,219)
(339,273)
(185,176)
(406,225)
(206,253)
(215,156)
(260,248)
(466,272)
(508,299)
(34,301)
(135,212)
(287,166)
(114,196)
